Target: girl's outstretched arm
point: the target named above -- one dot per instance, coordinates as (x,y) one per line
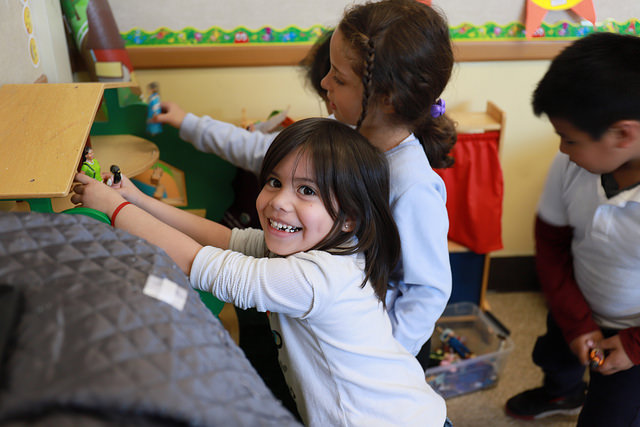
(149,225)
(202,230)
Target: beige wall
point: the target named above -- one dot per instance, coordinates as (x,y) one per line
(529,141)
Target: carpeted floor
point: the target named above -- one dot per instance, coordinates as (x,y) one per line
(524,313)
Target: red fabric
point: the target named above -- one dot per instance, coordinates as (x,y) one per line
(554,265)
(630,339)
(474,192)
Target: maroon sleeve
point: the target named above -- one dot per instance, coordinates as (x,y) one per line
(554,264)
(631,342)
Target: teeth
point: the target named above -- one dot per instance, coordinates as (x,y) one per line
(284,227)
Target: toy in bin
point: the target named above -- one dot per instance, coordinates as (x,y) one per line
(469,351)
(449,339)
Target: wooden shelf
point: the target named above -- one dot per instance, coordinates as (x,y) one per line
(152,57)
(42,132)
(132,154)
(478,121)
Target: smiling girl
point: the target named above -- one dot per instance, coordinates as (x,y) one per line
(390,62)
(320,266)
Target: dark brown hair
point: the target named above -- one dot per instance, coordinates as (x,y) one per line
(353,183)
(317,63)
(402,50)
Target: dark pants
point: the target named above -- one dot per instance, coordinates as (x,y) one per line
(424,356)
(612,400)
(258,344)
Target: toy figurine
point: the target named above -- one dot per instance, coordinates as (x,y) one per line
(596,358)
(153,109)
(116,176)
(448,338)
(90,165)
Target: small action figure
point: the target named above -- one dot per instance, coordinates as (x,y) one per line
(90,165)
(153,109)
(596,358)
(116,176)
(449,339)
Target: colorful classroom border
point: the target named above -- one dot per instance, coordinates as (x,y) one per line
(293,35)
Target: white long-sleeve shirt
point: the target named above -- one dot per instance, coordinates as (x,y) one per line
(421,284)
(335,343)
(606,236)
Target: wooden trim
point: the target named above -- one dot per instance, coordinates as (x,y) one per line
(507,51)
(252,56)
(215,56)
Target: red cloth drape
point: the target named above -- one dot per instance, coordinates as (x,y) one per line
(475,190)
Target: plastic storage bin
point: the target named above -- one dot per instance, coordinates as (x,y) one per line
(487,340)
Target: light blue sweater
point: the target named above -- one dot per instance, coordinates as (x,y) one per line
(421,284)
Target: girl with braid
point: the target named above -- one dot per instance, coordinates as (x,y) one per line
(390,62)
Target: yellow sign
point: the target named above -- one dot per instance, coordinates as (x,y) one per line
(556,4)
(537,9)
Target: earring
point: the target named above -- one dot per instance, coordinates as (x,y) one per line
(346,227)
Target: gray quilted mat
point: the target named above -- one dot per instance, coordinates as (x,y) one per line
(91,349)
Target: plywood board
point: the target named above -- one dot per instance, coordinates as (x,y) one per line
(43,130)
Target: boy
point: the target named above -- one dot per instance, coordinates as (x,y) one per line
(588,236)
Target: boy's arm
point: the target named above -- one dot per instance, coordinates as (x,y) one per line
(630,339)
(554,264)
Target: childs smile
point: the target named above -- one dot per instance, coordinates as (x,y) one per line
(283,227)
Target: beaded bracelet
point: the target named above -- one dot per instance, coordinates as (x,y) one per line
(117,211)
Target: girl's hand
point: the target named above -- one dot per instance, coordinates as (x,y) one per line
(129,191)
(171,114)
(581,345)
(616,359)
(95,195)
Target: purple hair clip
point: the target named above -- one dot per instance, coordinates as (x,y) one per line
(438,108)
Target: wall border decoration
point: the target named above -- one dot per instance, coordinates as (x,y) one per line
(189,47)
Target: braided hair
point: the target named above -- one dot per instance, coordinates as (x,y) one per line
(403,52)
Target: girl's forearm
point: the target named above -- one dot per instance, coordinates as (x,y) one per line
(202,230)
(179,246)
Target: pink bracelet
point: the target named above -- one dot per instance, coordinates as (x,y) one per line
(117,211)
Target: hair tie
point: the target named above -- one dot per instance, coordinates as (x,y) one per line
(438,108)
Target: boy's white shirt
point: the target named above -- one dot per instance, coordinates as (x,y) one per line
(421,287)
(337,350)
(606,240)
